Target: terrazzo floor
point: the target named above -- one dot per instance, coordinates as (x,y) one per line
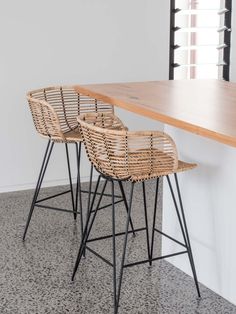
(35,276)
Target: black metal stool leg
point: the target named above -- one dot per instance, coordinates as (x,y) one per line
(154,218)
(90,187)
(187,237)
(78,196)
(70,180)
(114,245)
(126,205)
(39,182)
(97,207)
(124,249)
(184,229)
(89,196)
(88,227)
(146,222)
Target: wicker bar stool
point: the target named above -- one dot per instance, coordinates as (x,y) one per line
(136,157)
(54,111)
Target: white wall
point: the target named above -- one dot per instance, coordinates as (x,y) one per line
(209,198)
(66,42)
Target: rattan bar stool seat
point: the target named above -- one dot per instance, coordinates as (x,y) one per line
(182,166)
(54,111)
(122,155)
(142,173)
(128,155)
(73,136)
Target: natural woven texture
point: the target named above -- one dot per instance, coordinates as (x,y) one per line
(134,156)
(55,109)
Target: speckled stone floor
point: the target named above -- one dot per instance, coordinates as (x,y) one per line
(35,275)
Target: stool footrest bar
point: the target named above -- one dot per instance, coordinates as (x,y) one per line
(108,205)
(117,234)
(169,237)
(135,263)
(52,196)
(99,256)
(154,259)
(68,210)
(98,193)
(56,208)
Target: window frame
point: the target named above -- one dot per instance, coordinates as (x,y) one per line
(227,41)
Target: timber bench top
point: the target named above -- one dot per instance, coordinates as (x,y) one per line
(203,107)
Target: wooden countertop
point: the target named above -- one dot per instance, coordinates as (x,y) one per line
(204,107)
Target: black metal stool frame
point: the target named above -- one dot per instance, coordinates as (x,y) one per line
(74,200)
(91,218)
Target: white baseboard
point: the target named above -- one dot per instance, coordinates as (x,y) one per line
(46,183)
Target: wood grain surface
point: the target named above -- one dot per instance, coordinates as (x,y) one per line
(203,107)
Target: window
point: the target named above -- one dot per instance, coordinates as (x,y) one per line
(200,32)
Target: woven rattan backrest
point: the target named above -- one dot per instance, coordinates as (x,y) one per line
(66,104)
(123,154)
(45,119)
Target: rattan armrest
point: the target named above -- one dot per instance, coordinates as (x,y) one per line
(45,119)
(151,151)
